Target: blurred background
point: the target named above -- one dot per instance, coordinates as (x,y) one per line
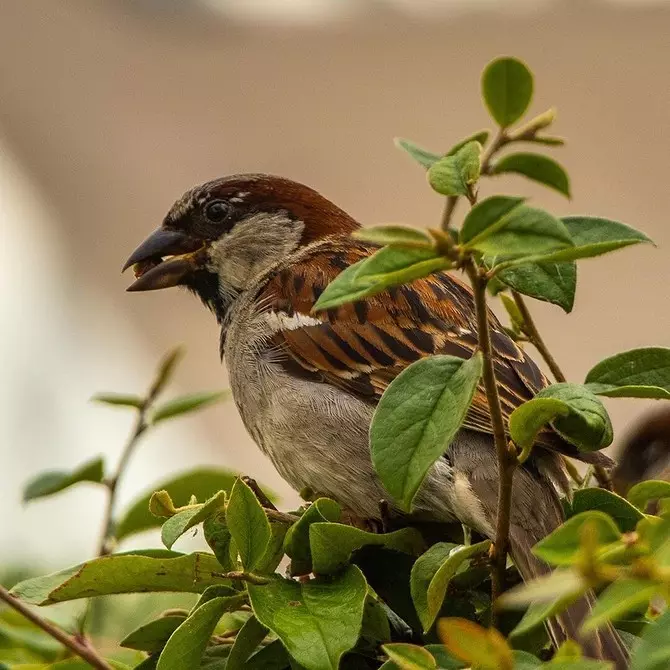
(110,110)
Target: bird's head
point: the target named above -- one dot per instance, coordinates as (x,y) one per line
(221,235)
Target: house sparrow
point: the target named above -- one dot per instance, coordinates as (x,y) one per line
(259,250)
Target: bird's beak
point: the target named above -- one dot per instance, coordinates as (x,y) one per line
(165,259)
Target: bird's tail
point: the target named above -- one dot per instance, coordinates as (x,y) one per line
(605,644)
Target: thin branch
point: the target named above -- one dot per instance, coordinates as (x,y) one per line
(259,493)
(448,213)
(77,647)
(281,517)
(241,576)
(507,459)
(530,330)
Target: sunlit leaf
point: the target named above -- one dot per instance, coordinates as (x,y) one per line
(177,525)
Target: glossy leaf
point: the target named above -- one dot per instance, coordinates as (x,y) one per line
(177,525)
(187,644)
(537,167)
(297,545)
(246,642)
(485,215)
(525,231)
(119,400)
(202,482)
(618,599)
(641,494)
(432,573)
(318,621)
(152,636)
(507,88)
(625,514)
(399,236)
(639,373)
(48,483)
(562,546)
(410,656)
(390,266)
(332,544)
(187,403)
(122,573)
(248,525)
(484,648)
(587,425)
(529,418)
(653,650)
(417,418)
(550,282)
(456,174)
(420,155)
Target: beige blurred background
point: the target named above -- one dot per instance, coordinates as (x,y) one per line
(109,110)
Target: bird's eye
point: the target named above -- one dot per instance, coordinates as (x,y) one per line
(216,211)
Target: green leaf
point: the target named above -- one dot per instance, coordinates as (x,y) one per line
(387,267)
(550,282)
(528,419)
(539,611)
(562,586)
(513,311)
(639,373)
(248,525)
(653,650)
(296,543)
(483,648)
(410,656)
(562,546)
(507,88)
(177,525)
(486,214)
(333,543)
(121,573)
(119,399)
(579,664)
(51,482)
(187,644)
(217,535)
(152,636)
(420,155)
(165,371)
(202,482)
(418,417)
(625,514)
(587,425)
(537,167)
(524,231)
(400,236)
(274,552)
(187,403)
(617,599)
(481,136)
(641,494)
(246,642)
(318,621)
(455,174)
(432,573)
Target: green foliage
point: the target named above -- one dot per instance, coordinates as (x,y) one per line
(653,653)
(457,173)
(507,88)
(624,514)
(402,236)
(187,403)
(187,518)
(48,483)
(640,494)
(416,419)
(537,167)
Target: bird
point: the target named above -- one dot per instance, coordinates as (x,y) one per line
(259,250)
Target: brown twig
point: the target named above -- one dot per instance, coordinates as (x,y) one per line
(241,576)
(259,493)
(281,517)
(507,459)
(448,212)
(76,646)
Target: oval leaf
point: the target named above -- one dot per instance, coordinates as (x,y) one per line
(639,373)
(550,282)
(481,136)
(400,236)
(152,636)
(177,525)
(187,403)
(625,514)
(455,174)
(528,419)
(418,417)
(48,483)
(558,588)
(122,573)
(641,494)
(484,648)
(410,656)
(246,642)
(318,621)
(420,155)
(537,167)
(507,88)
(562,546)
(485,214)
(387,267)
(587,425)
(332,544)
(248,525)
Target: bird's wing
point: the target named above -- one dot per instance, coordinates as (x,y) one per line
(361,347)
